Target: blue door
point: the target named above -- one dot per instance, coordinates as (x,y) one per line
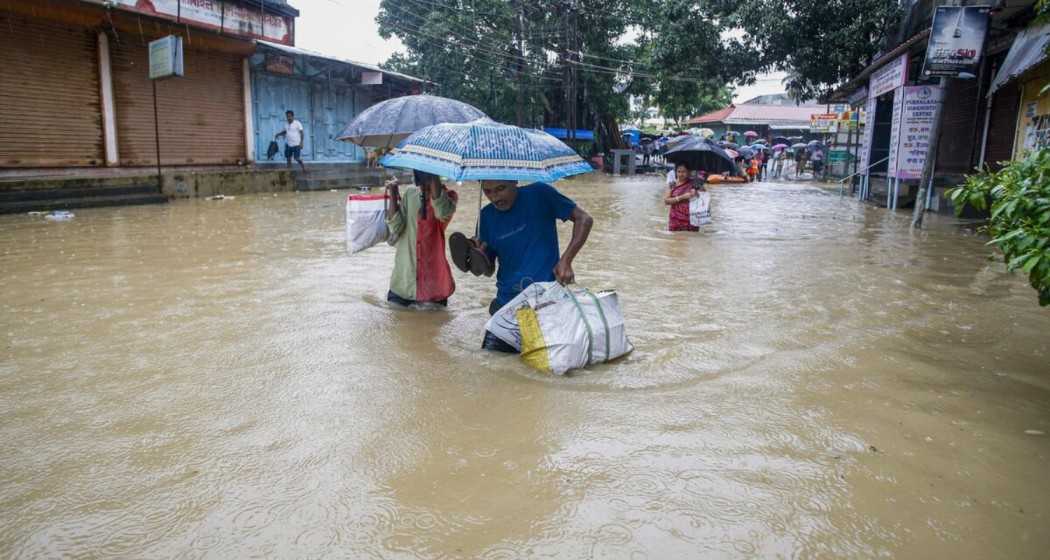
(324,108)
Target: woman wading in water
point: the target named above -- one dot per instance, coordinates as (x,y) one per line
(678,196)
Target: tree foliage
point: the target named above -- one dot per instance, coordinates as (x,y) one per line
(548,62)
(818,43)
(1018,196)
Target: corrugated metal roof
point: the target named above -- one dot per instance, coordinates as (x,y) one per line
(365,65)
(794,116)
(713,116)
(1027,51)
(774,114)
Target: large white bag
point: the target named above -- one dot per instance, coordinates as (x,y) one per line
(365,221)
(558,329)
(700,210)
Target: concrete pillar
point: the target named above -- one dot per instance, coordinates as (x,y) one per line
(109,114)
(249,113)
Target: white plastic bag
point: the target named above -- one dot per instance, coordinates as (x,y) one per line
(558,329)
(700,210)
(365,221)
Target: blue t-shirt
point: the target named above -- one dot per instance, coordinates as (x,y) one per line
(524,239)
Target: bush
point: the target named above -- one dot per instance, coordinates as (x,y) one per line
(1018,197)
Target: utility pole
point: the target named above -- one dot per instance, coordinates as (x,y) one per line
(519,30)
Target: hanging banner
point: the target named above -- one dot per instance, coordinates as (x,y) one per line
(890,77)
(225,16)
(956,41)
(916,121)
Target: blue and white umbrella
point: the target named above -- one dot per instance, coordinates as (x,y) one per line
(385,124)
(487,150)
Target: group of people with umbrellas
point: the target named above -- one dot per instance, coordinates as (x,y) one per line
(516,235)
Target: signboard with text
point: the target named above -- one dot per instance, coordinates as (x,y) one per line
(890,77)
(165,57)
(913,133)
(223,15)
(869,130)
(956,41)
(823,123)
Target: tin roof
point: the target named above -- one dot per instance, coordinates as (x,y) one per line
(364,65)
(1027,51)
(783,116)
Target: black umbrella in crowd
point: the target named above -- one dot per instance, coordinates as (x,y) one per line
(746,152)
(700,154)
(780,140)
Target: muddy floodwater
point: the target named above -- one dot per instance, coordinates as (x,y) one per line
(812,379)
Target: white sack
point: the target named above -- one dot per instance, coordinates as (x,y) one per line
(700,210)
(365,221)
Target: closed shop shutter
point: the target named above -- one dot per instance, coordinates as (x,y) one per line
(1002,125)
(958,127)
(201,114)
(50,98)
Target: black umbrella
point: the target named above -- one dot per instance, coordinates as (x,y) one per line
(780,140)
(746,152)
(700,154)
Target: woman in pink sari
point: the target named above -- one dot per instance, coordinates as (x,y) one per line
(678,196)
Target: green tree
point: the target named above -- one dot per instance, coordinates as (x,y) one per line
(819,43)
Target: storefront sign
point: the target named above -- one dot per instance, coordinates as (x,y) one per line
(223,15)
(165,57)
(891,76)
(912,135)
(859,96)
(823,124)
(956,41)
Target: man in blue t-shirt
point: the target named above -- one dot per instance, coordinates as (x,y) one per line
(519,231)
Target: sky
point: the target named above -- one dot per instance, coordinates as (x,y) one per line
(347,29)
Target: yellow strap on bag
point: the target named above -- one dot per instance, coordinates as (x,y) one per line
(533,347)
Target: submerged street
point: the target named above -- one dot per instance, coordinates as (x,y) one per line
(812,378)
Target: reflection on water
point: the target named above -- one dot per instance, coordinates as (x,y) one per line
(812,378)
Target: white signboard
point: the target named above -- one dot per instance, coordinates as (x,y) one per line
(165,57)
(895,130)
(869,129)
(920,105)
(890,77)
(229,17)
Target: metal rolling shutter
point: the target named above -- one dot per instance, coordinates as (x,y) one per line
(201,114)
(50,99)
(1002,124)
(958,126)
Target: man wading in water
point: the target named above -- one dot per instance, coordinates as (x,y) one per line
(519,230)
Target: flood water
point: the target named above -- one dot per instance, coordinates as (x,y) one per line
(219,379)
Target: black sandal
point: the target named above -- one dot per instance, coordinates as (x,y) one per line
(459,246)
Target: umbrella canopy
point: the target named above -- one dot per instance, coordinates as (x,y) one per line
(815,143)
(707,133)
(732,153)
(486,150)
(751,134)
(700,154)
(780,147)
(385,124)
(746,153)
(760,141)
(781,140)
(798,146)
(730,145)
(795,138)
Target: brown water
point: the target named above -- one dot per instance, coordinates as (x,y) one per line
(812,379)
